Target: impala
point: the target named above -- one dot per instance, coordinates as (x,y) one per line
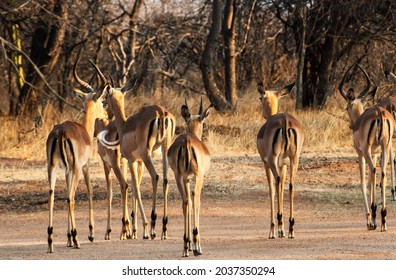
(372,135)
(389,104)
(69,147)
(279,143)
(189,158)
(139,136)
(112,160)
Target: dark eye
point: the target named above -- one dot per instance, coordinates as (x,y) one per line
(105,103)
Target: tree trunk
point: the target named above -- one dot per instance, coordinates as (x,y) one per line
(301,59)
(131,56)
(207,62)
(229,25)
(45,49)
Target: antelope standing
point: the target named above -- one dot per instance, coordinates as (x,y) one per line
(389,104)
(139,136)
(372,135)
(69,147)
(189,158)
(112,160)
(279,143)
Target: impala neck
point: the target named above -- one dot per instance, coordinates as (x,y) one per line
(355,109)
(269,105)
(89,120)
(117,104)
(195,127)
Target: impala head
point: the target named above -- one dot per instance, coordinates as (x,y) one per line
(356,105)
(195,122)
(114,97)
(269,99)
(93,99)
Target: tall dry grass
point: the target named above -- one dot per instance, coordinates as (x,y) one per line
(325,130)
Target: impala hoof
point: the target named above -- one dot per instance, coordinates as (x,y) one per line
(197,253)
(371,227)
(107,235)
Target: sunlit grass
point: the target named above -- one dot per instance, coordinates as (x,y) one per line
(326,130)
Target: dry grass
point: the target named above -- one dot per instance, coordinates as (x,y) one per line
(226,134)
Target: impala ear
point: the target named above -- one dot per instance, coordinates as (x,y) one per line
(260,89)
(286,90)
(185,113)
(80,94)
(369,96)
(350,95)
(129,85)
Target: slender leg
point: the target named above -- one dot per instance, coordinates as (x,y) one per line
(107,170)
(392,163)
(85,169)
(50,230)
(71,200)
(119,167)
(138,198)
(187,218)
(272,165)
(293,171)
(372,162)
(165,167)
(180,186)
(197,249)
(280,190)
(394,173)
(270,179)
(362,169)
(154,181)
(385,158)
(69,182)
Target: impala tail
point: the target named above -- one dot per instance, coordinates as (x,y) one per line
(113,145)
(61,148)
(156,130)
(376,129)
(186,158)
(285,138)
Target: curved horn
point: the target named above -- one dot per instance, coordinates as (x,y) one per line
(205,114)
(102,77)
(368,81)
(340,86)
(81,82)
(111,79)
(200,108)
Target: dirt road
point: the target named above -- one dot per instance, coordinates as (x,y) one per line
(329,214)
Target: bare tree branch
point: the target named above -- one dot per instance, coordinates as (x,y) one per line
(5,43)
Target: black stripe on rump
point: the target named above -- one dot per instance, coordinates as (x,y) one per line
(371,129)
(276,136)
(150,131)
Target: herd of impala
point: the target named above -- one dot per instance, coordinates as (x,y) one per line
(132,141)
